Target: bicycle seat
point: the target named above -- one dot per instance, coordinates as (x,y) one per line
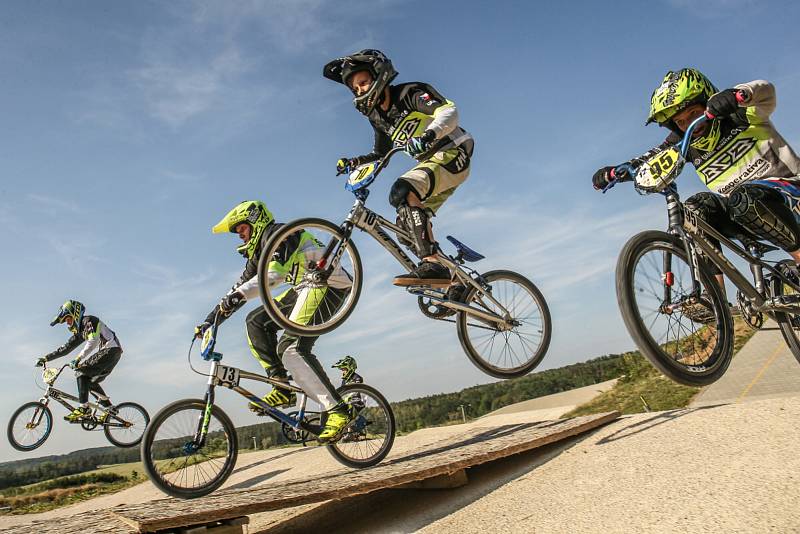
(467,253)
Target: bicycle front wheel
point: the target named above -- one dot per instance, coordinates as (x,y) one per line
(30,426)
(176,461)
(507,352)
(370,436)
(126,427)
(689,340)
(304,292)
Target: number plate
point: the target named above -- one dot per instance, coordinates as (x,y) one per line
(227,376)
(660,170)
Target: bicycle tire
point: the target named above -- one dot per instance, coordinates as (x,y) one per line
(159,478)
(136,433)
(48,417)
(784,320)
(687,374)
(545,329)
(272,307)
(339,449)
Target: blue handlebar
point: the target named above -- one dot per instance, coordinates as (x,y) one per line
(683,145)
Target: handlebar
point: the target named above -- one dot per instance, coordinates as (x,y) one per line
(626,169)
(382,163)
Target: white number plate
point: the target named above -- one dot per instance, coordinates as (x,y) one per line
(228,376)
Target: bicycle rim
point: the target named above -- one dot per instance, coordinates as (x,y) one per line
(30,426)
(296,293)
(518,350)
(691,343)
(125,429)
(174,461)
(370,436)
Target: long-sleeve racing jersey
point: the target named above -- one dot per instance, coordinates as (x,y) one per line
(415,107)
(96,335)
(748,146)
(288,265)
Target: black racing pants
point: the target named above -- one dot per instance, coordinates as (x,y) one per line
(752,211)
(94,370)
(268,349)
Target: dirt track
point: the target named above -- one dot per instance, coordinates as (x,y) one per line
(719,468)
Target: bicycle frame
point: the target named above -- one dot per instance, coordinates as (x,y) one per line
(692,230)
(378,227)
(62,397)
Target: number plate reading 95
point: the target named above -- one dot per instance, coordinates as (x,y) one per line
(227,376)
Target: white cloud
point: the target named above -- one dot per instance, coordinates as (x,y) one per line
(49,204)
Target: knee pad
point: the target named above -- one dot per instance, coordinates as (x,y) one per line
(706,204)
(416,221)
(761,210)
(399,193)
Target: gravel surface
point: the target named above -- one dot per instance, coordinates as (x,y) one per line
(730,468)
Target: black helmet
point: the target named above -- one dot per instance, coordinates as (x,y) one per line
(374,61)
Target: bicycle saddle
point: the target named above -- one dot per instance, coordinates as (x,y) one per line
(467,253)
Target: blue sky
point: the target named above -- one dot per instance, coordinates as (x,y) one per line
(129,129)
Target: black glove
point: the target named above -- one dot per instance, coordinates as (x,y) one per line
(200,329)
(230,301)
(417,146)
(41,361)
(601,178)
(723,104)
(345,164)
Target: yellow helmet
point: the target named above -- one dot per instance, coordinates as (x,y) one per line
(677,91)
(252,212)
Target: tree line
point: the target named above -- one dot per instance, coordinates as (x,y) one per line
(411,414)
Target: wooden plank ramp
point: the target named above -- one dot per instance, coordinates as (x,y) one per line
(441,459)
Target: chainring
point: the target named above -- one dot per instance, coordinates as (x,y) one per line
(431,310)
(752,318)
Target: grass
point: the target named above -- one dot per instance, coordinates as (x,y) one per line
(644,388)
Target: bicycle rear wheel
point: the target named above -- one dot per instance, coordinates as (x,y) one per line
(518,350)
(370,436)
(298,292)
(689,341)
(127,426)
(789,323)
(30,426)
(174,460)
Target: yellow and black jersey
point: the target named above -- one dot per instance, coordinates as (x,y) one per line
(414,108)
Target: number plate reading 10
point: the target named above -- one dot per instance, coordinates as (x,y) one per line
(228,375)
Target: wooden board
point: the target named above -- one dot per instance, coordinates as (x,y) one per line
(479,446)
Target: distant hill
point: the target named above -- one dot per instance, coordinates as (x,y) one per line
(411,414)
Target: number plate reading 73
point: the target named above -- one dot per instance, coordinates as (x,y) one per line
(228,376)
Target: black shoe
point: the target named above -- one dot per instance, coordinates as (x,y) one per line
(428,273)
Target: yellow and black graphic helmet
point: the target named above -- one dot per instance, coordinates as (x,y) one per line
(374,61)
(71,308)
(252,212)
(679,90)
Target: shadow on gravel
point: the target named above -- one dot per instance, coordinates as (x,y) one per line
(647,424)
(268,460)
(408,510)
(250,482)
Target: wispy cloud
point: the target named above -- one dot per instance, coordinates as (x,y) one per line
(48,203)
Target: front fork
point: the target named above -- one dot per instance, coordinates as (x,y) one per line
(204,420)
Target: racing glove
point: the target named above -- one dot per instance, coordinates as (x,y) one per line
(417,146)
(724,103)
(345,165)
(200,329)
(41,361)
(602,177)
(230,301)
(74,363)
